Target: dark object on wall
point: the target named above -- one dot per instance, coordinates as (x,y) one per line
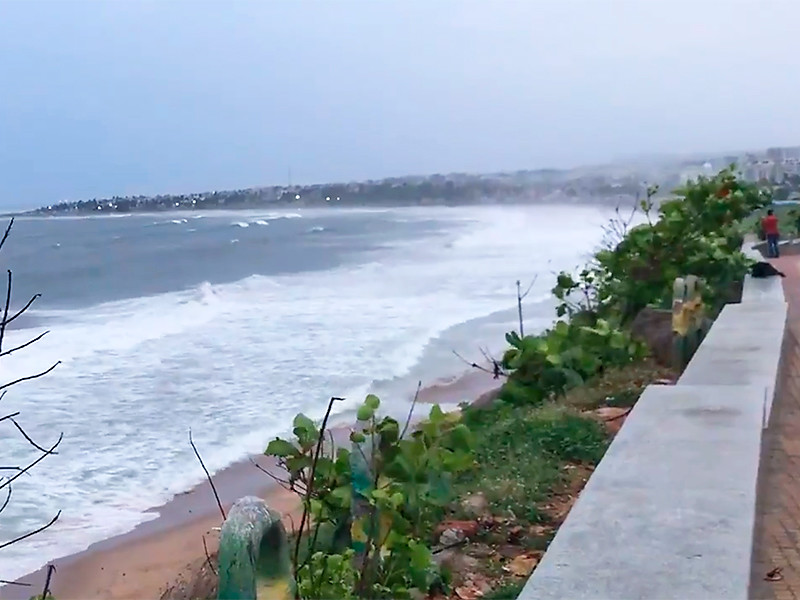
(761,270)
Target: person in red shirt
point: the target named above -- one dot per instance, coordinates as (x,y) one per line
(769,225)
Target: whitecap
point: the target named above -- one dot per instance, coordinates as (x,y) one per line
(241,224)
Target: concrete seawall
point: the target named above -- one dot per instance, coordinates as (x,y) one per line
(670,510)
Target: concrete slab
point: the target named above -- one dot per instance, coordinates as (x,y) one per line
(669,511)
(762,290)
(743,347)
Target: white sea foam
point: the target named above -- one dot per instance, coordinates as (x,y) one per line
(242,224)
(276,216)
(236,361)
(260,222)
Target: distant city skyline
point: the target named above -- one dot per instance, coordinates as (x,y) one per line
(166,96)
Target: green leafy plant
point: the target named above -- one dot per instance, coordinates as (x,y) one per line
(563,357)
(327,576)
(695,233)
(374,505)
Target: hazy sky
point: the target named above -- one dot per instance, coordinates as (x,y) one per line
(104,97)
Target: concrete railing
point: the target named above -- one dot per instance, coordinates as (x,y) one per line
(670,510)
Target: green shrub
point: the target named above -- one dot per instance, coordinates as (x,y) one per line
(382,498)
(563,357)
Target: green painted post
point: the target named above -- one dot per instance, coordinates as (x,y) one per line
(254,554)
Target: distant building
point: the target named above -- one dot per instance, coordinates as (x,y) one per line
(775,154)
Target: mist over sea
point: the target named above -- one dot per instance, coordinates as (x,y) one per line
(232,322)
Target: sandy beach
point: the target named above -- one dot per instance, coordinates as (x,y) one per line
(141,564)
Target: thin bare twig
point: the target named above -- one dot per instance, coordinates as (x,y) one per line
(27,437)
(208,557)
(496,372)
(8,230)
(30,533)
(29,377)
(411,410)
(310,488)
(9,416)
(50,570)
(7,500)
(20,312)
(4,322)
(19,583)
(11,480)
(208,475)
(25,345)
(281,482)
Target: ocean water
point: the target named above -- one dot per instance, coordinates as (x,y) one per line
(230,324)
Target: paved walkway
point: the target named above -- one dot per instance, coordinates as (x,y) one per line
(777,535)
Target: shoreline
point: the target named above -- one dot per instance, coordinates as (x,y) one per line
(145,561)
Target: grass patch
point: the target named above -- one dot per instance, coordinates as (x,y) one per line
(532,461)
(520,450)
(507,591)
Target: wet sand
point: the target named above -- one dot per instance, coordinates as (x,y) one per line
(141,564)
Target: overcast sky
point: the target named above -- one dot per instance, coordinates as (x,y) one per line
(105,97)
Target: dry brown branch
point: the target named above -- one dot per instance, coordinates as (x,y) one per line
(4,322)
(7,500)
(310,487)
(5,235)
(30,533)
(208,557)
(50,570)
(411,410)
(22,310)
(6,482)
(208,475)
(29,377)
(30,441)
(281,482)
(495,372)
(19,583)
(9,416)
(11,480)
(25,345)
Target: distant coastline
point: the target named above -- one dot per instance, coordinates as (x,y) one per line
(521,187)
(614,184)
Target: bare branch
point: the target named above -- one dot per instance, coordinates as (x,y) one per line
(496,371)
(7,500)
(8,230)
(19,583)
(4,322)
(27,437)
(310,489)
(411,410)
(29,377)
(528,290)
(25,345)
(281,482)
(30,533)
(19,313)
(208,558)
(11,480)
(208,475)
(11,416)
(50,570)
